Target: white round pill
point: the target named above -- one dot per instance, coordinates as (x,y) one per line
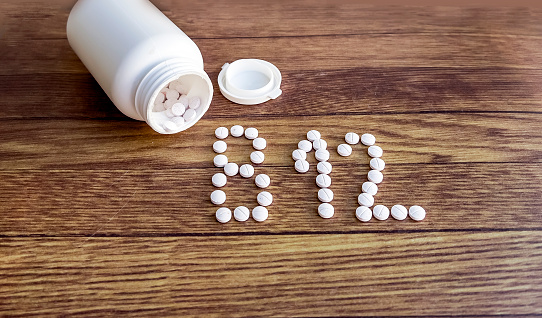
(231,169)
(375,176)
(160,99)
(375,151)
(170,126)
(221,132)
(218,197)
(189,115)
(172,94)
(241,213)
(178,109)
(251,133)
(219,180)
(302,166)
(246,170)
(326,210)
(178,86)
(299,154)
(223,215)
(323,181)
(369,187)
(366,199)
(184,100)
(237,131)
(220,161)
(377,164)
(399,212)
(264,198)
(179,121)
(324,167)
(259,143)
(381,212)
(257,157)
(313,135)
(368,139)
(169,113)
(325,195)
(169,103)
(319,144)
(260,213)
(344,150)
(305,145)
(262,181)
(351,138)
(322,155)
(364,214)
(194,102)
(220,146)
(416,212)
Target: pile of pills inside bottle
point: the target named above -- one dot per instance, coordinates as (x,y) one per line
(175,107)
(218,197)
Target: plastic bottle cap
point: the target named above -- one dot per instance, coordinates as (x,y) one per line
(250,81)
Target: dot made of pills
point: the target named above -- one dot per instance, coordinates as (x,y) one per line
(365,199)
(375,151)
(257,157)
(325,195)
(319,144)
(246,170)
(189,114)
(218,197)
(219,180)
(369,187)
(416,212)
(399,212)
(299,154)
(194,102)
(381,212)
(223,215)
(259,143)
(231,169)
(305,145)
(326,210)
(220,146)
(221,133)
(260,213)
(237,131)
(264,198)
(368,139)
(178,109)
(377,164)
(322,155)
(375,176)
(313,135)
(324,167)
(220,161)
(262,181)
(251,133)
(351,138)
(241,213)
(323,181)
(364,214)
(344,150)
(302,166)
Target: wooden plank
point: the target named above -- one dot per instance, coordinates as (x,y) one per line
(361,90)
(165,201)
(222,19)
(416,274)
(405,138)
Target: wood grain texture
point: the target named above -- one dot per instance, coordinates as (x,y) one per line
(287,275)
(101,216)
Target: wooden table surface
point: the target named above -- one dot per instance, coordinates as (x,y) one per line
(101,216)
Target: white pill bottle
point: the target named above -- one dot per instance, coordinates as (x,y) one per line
(134,52)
